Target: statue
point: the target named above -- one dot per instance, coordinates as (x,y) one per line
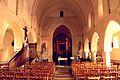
(26,36)
(79,46)
(80,50)
(44,54)
(43,47)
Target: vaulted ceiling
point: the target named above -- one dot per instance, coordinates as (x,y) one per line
(79,8)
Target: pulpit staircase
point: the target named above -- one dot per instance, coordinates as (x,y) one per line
(27,54)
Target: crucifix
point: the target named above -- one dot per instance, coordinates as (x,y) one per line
(25,30)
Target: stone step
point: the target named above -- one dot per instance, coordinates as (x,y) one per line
(63,73)
(63,79)
(68,77)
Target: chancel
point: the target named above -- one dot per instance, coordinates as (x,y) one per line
(59,39)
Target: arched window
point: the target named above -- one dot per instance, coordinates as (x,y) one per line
(100,8)
(61,13)
(115,42)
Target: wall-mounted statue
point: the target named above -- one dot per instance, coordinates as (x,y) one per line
(43,47)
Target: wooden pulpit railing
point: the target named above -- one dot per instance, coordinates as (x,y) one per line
(32,51)
(26,54)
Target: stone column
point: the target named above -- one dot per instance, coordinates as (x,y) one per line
(93,56)
(86,55)
(108,62)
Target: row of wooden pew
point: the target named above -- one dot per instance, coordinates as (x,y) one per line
(37,71)
(94,71)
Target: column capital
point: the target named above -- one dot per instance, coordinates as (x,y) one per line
(108,50)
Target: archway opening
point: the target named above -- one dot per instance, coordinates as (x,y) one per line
(8,42)
(112,28)
(62,46)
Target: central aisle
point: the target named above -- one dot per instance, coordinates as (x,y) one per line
(63,73)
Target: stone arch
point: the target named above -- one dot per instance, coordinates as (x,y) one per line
(8,37)
(68,24)
(16,26)
(62,29)
(53,27)
(62,44)
(9,34)
(3,28)
(8,45)
(18,38)
(112,28)
(47,34)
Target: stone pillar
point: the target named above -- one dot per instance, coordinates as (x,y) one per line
(93,56)
(86,55)
(108,62)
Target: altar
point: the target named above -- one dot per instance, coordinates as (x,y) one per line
(62,61)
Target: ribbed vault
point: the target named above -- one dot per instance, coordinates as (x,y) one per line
(44,9)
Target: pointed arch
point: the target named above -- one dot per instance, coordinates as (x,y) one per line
(112,28)
(8,45)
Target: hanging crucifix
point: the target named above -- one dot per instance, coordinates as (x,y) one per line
(25,30)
